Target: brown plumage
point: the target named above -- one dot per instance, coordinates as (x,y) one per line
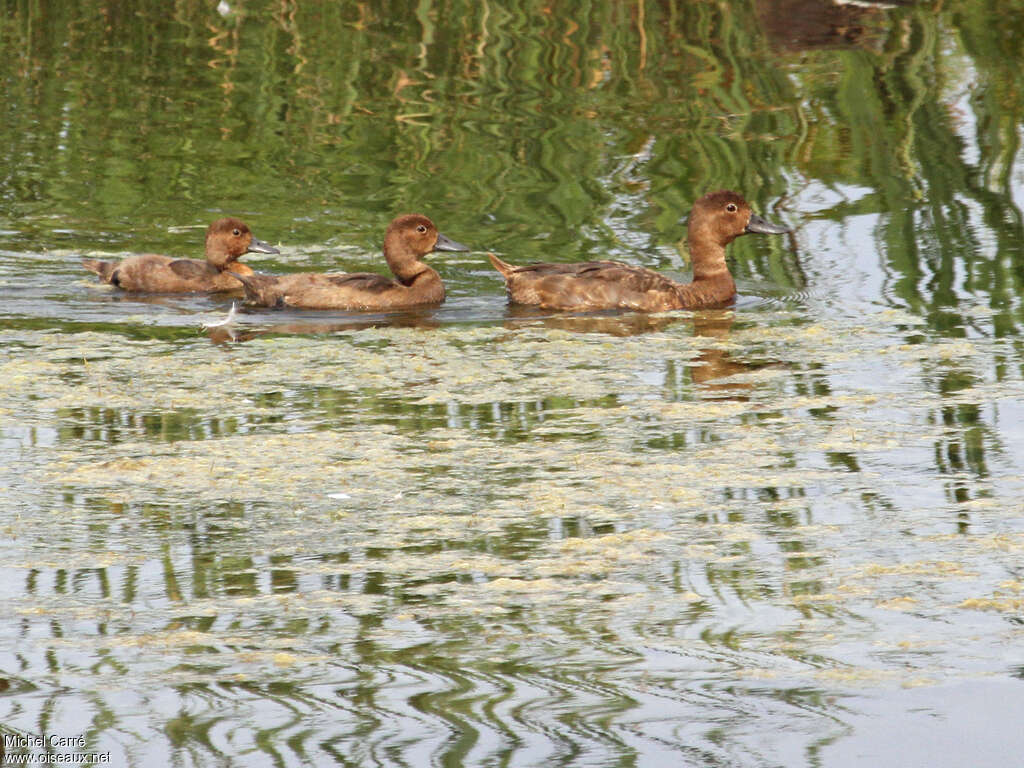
(226,241)
(716,220)
(408,239)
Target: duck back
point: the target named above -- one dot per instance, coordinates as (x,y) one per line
(342,290)
(589,285)
(153,273)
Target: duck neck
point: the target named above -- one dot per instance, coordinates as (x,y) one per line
(405,266)
(426,284)
(712,282)
(414,274)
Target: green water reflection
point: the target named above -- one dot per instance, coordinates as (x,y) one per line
(481,535)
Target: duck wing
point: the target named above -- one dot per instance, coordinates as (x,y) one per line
(626,275)
(591,285)
(192,269)
(317,290)
(545,268)
(629,277)
(369,282)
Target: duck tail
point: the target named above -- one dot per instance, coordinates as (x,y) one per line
(251,291)
(103,269)
(258,288)
(502,266)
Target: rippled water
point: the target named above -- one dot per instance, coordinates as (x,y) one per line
(787,533)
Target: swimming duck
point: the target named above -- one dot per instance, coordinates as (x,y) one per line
(408,239)
(716,220)
(226,240)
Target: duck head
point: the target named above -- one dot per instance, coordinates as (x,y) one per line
(415,234)
(227,239)
(724,215)
(716,220)
(411,237)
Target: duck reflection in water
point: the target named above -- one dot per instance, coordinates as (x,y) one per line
(806,25)
(706,369)
(226,330)
(610,323)
(714,363)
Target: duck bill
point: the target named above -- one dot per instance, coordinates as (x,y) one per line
(258,246)
(759,226)
(445,243)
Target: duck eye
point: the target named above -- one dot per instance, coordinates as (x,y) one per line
(731,207)
(236,232)
(421,229)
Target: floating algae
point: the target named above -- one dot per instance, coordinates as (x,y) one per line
(325,504)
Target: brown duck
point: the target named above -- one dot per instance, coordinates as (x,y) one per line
(409,238)
(716,220)
(226,240)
